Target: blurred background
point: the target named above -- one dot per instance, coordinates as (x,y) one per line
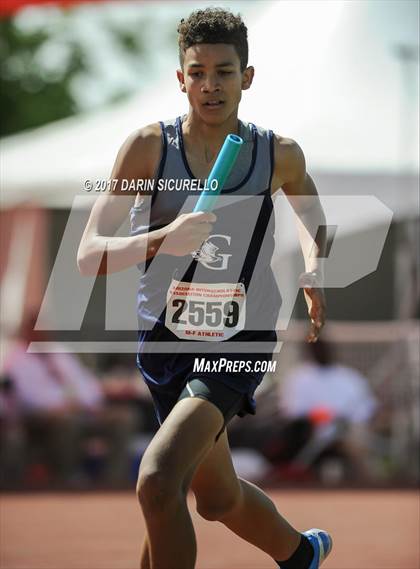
(340,77)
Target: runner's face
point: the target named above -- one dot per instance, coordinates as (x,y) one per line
(213,81)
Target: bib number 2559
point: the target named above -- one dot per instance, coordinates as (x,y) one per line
(212,313)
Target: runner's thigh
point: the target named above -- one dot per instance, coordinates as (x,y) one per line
(183,440)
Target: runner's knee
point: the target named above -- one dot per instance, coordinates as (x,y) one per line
(156,490)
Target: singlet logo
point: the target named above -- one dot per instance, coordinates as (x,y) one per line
(208,254)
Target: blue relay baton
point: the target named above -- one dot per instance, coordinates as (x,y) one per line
(220,172)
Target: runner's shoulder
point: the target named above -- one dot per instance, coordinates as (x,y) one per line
(287,148)
(141,151)
(289,160)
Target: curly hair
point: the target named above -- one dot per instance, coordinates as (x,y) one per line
(213,25)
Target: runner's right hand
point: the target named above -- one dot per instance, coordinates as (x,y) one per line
(187,233)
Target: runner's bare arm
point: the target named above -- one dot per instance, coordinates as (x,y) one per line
(135,160)
(290,174)
(100,251)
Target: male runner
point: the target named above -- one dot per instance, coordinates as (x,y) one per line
(180,250)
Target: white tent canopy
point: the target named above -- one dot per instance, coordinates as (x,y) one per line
(325,75)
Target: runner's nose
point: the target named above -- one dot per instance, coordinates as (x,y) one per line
(211,84)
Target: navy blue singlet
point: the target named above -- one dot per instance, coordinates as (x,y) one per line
(223,293)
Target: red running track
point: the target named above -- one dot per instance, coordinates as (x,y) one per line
(371,530)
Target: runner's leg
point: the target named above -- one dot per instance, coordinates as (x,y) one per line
(241,506)
(145,554)
(166,469)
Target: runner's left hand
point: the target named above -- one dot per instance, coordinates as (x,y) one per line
(315,299)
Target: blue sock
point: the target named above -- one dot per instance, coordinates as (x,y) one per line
(301,558)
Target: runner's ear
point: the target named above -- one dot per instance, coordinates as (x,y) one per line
(247,77)
(181,80)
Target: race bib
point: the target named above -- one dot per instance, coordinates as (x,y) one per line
(205,311)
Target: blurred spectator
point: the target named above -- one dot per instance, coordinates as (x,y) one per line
(54,418)
(338,404)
